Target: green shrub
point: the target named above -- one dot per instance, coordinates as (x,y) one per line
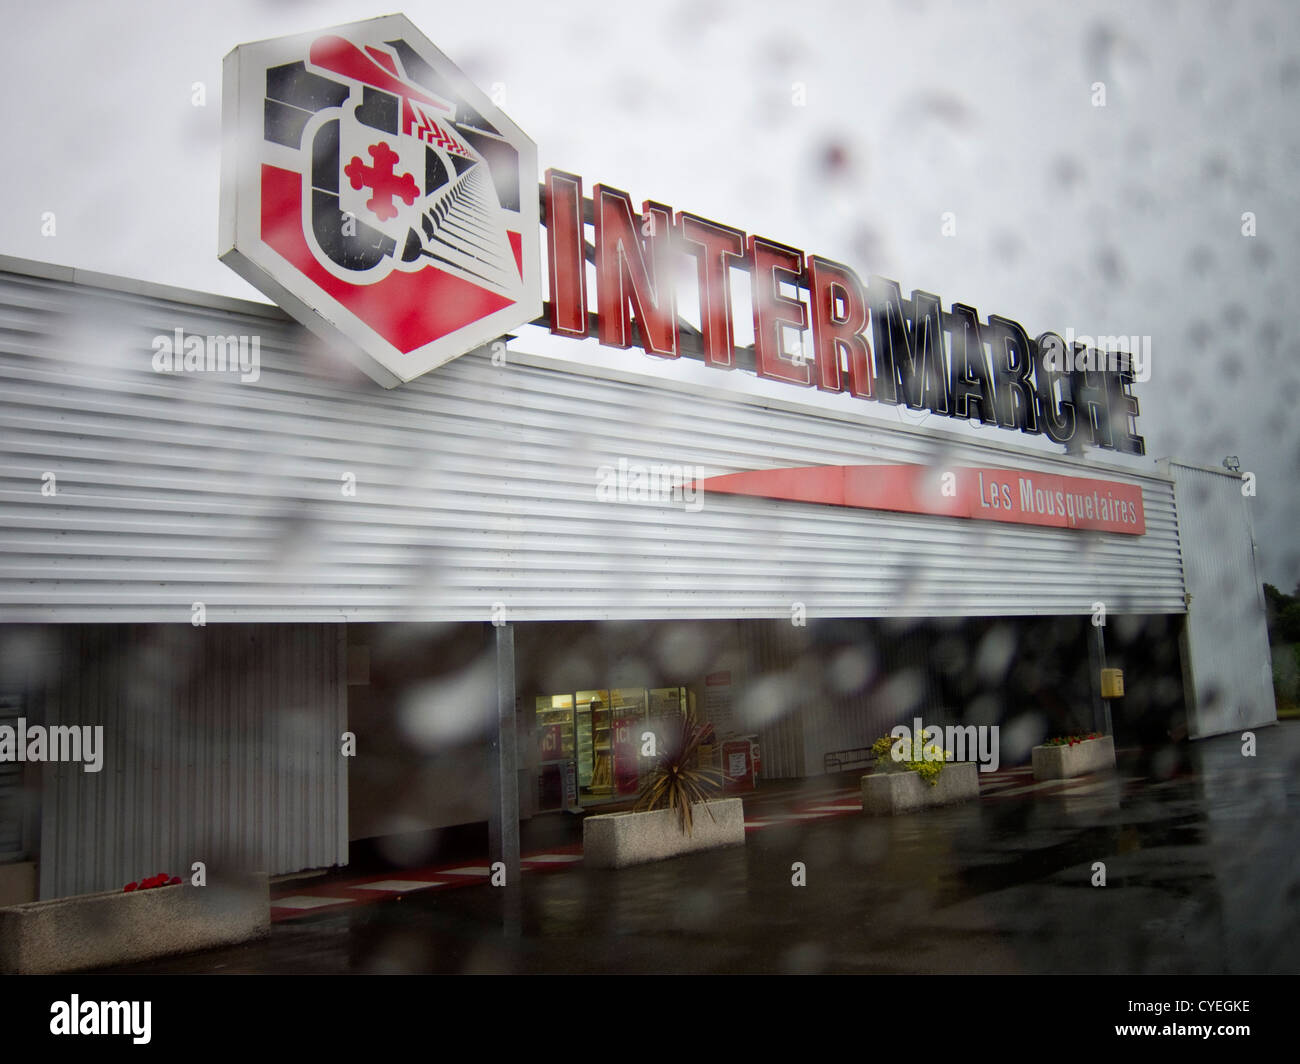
(928,762)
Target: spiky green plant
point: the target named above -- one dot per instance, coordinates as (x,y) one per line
(677,781)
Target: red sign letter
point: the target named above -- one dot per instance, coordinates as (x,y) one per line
(714,245)
(565,263)
(772,310)
(829,285)
(622,273)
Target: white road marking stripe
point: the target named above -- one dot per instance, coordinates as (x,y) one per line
(303,901)
(400,886)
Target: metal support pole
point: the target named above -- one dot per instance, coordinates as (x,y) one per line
(503,826)
(1096,662)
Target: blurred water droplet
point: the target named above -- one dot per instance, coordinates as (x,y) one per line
(995,652)
(450,709)
(850,669)
(1200,260)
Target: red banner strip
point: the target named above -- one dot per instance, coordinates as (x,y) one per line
(1011,496)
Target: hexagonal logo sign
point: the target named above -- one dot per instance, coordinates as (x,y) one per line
(373,192)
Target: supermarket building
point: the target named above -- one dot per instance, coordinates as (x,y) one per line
(476,489)
(308,608)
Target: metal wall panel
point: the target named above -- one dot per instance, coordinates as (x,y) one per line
(1228,658)
(14,843)
(771,696)
(476,485)
(221,745)
(897,684)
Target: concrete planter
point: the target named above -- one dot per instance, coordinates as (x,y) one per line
(1062,762)
(616,840)
(890,792)
(94,930)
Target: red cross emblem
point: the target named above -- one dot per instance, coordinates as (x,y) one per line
(381,180)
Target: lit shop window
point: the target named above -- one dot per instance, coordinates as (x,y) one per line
(598,745)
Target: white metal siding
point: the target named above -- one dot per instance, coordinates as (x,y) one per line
(476,485)
(221,745)
(1227,634)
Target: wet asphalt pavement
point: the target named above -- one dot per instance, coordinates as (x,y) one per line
(1202,866)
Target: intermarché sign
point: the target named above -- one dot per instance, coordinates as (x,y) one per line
(384,201)
(867,340)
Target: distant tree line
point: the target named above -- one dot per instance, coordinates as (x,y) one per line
(1283,612)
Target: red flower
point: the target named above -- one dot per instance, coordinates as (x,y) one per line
(162,879)
(129,887)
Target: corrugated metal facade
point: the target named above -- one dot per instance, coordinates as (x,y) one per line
(773,694)
(837,685)
(829,686)
(220,744)
(804,691)
(475,486)
(852,718)
(14,842)
(1227,634)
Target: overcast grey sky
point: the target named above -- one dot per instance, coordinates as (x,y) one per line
(1116,219)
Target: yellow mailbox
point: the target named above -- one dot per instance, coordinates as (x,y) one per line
(1112,683)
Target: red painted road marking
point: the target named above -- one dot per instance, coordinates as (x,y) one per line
(299,899)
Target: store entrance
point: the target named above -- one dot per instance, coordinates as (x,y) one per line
(591,745)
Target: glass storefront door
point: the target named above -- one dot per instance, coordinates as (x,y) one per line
(591,744)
